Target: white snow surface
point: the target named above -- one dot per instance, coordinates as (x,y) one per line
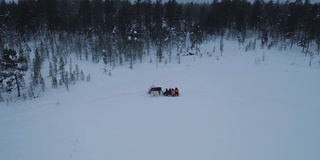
(228,109)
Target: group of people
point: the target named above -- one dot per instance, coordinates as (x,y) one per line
(171,92)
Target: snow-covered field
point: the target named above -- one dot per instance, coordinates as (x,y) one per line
(229,109)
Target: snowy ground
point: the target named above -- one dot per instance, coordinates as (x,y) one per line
(229,109)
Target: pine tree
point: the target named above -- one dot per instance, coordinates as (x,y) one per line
(52,14)
(3,23)
(318,44)
(77,72)
(110,15)
(109,74)
(221,46)
(256,15)
(24,18)
(1,98)
(82,76)
(67,80)
(24,96)
(97,16)
(55,66)
(37,64)
(31,92)
(54,82)
(125,18)
(170,13)
(88,78)
(104,54)
(73,78)
(158,34)
(70,66)
(196,37)
(12,69)
(85,15)
(51,70)
(62,69)
(2,87)
(159,53)
(43,84)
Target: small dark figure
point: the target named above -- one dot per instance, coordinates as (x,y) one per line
(176,91)
(172,92)
(166,92)
(155,89)
(169,92)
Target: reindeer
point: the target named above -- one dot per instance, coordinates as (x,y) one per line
(155,90)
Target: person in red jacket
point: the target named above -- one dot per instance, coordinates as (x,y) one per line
(176,91)
(172,92)
(169,92)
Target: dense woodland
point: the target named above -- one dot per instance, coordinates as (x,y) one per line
(116,31)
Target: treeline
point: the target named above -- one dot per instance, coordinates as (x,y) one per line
(155,21)
(116,31)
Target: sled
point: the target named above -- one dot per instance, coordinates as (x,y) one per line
(158,91)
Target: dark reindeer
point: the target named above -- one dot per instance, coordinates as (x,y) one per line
(154,90)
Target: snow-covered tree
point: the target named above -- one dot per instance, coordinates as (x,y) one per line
(67,80)
(37,64)
(62,69)
(2,87)
(77,72)
(51,72)
(88,78)
(1,98)
(196,37)
(43,84)
(31,92)
(3,21)
(12,70)
(73,78)
(159,53)
(82,76)
(54,82)
(221,46)
(55,66)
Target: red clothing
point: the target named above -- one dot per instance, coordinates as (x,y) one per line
(176,90)
(172,92)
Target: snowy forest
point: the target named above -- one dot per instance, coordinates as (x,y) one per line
(38,33)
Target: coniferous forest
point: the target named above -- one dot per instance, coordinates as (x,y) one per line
(118,31)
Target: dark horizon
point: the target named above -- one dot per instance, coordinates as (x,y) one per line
(209,1)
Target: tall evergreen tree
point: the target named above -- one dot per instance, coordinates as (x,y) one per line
(12,70)
(148,7)
(170,14)
(196,37)
(37,65)
(52,14)
(24,18)
(158,30)
(158,21)
(110,15)
(256,15)
(43,84)
(214,17)
(190,14)
(85,15)
(125,19)
(67,15)
(3,23)
(62,70)
(97,16)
